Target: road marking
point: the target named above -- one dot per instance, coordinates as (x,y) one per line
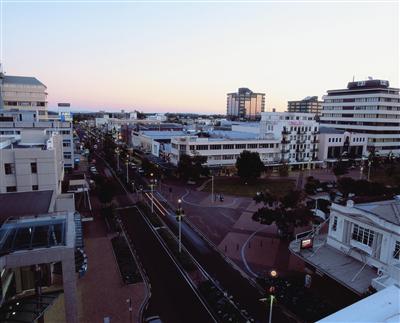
(242,251)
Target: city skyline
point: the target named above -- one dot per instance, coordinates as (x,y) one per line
(186,57)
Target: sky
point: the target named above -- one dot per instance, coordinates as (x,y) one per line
(185,57)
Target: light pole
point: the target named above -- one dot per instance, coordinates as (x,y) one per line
(127,170)
(117,152)
(152,182)
(179,214)
(369,169)
(273,274)
(212,188)
(129,301)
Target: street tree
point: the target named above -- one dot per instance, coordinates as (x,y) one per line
(192,167)
(249,166)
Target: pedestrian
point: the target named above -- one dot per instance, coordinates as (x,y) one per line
(221,198)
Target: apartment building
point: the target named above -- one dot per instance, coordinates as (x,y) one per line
(245,104)
(361,248)
(371,107)
(27,167)
(298,134)
(24,124)
(23,93)
(310,104)
(335,144)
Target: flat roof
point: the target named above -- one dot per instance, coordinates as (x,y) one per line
(228,134)
(383,306)
(25,80)
(330,130)
(24,203)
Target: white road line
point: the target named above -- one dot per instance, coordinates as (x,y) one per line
(242,251)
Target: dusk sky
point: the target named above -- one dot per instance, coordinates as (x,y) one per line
(185,57)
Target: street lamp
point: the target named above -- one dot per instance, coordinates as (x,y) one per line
(117,152)
(212,188)
(152,183)
(127,171)
(179,214)
(273,274)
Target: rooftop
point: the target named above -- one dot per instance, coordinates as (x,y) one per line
(387,210)
(24,203)
(330,130)
(341,267)
(383,306)
(23,80)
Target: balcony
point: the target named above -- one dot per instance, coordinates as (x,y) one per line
(315,132)
(286,132)
(285,151)
(285,141)
(314,141)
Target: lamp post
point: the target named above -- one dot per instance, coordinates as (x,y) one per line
(117,152)
(369,169)
(179,214)
(127,170)
(273,274)
(212,188)
(152,183)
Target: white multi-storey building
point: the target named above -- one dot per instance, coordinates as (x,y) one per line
(25,167)
(362,247)
(222,151)
(24,94)
(335,144)
(24,125)
(370,107)
(298,133)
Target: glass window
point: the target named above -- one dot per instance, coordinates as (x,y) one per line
(363,235)
(334,223)
(9,168)
(34,168)
(396,252)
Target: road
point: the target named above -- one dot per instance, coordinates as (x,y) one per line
(171,297)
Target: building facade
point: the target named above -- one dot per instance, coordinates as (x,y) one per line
(309,104)
(335,144)
(23,127)
(31,168)
(223,152)
(370,107)
(298,134)
(24,94)
(245,104)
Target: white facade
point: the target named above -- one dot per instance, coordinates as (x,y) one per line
(24,94)
(370,107)
(336,144)
(298,133)
(24,129)
(370,233)
(24,169)
(223,151)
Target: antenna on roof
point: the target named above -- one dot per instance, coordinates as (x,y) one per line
(353,78)
(370,78)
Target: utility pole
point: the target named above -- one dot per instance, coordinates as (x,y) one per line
(212,188)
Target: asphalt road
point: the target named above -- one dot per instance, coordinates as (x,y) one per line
(171,297)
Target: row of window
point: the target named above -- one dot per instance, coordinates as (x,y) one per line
(373,99)
(360,115)
(9,168)
(10,189)
(227,146)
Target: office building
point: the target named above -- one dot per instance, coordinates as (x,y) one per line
(245,104)
(309,104)
(19,125)
(31,167)
(23,93)
(371,107)
(336,144)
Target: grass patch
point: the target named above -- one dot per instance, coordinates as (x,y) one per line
(234,186)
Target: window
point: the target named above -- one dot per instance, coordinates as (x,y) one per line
(9,168)
(10,189)
(363,235)
(202,147)
(35,187)
(334,223)
(240,146)
(228,146)
(215,147)
(34,168)
(396,252)
(191,147)
(252,146)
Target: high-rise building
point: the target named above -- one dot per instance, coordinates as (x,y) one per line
(23,93)
(370,107)
(309,104)
(245,104)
